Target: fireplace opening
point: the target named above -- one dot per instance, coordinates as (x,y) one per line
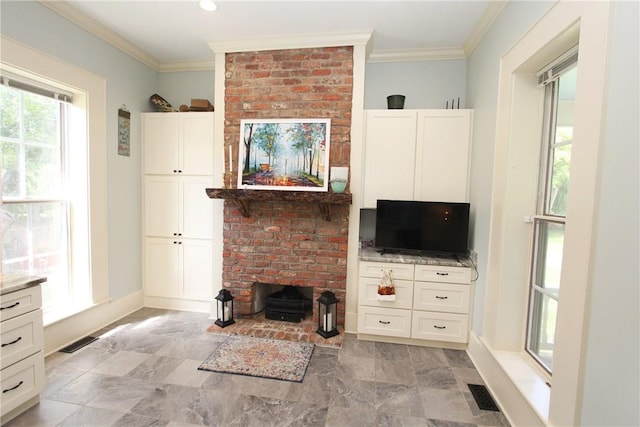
(288,304)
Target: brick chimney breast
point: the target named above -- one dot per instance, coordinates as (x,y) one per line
(288,243)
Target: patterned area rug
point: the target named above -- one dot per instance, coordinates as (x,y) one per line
(260,357)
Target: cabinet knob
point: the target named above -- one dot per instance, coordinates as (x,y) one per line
(384,323)
(439,297)
(439,327)
(175,171)
(442,274)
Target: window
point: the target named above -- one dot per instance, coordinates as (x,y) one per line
(559,82)
(35,202)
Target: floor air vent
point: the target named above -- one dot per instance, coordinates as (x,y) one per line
(483,397)
(78,344)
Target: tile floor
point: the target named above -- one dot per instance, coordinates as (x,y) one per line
(143,372)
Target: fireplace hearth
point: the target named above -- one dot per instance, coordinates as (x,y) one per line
(288,305)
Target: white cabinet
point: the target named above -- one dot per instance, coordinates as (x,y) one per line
(178,268)
(416,155)
(390,150)
(441,303)
(178,214)
(178,206)
(432,303)
(178,143)
(22,359)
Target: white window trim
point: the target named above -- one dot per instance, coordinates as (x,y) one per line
(17,57)
(567,23)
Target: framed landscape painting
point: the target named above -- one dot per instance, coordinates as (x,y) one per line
(284,154)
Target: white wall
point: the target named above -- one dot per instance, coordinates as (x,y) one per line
(180,87)
(128,82)
(608,371)
(610,387)
(482,94)
(425,84)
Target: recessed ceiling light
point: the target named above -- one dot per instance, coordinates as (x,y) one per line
(208,5)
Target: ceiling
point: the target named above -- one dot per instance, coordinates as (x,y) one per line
(169,35)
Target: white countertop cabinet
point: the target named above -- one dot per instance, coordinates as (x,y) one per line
(432,304)
(22,376)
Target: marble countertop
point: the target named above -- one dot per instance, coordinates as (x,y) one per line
(15,282)
(372,254)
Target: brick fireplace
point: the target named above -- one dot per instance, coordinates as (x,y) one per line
(287,242)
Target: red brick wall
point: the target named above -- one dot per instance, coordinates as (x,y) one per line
(288,242)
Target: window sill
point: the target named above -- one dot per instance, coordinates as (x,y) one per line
(528,380)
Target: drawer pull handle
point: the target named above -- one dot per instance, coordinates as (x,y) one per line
(12,342)
(384,323)
(439,297)
(10,306)
(14,387)
(442,274)
(439,327)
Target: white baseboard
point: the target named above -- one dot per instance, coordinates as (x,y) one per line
(507,387)
(178,304)
(67,331)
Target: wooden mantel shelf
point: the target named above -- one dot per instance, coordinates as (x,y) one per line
(243,198)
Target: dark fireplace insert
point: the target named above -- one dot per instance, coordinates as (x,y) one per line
(288,305)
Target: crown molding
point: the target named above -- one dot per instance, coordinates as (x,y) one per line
(494,9)
(417,55)
(175,67)
(491,13)
(74,15)
(295,42)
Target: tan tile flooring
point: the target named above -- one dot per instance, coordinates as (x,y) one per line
(259,327)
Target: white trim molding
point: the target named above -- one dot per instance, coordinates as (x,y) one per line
(295,42)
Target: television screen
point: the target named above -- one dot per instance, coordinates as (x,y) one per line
(434,227)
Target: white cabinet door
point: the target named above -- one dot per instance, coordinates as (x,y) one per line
(179,268)
(197,140)
(390,139)
(441,297)
(197,210)
(197,272)
(389,322)
(428,325)
(178,206)
(162,206)
(442,155)
(178,143)
(162,267)
(161,136)
(369,293)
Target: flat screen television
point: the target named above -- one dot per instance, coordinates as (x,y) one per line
(426,227)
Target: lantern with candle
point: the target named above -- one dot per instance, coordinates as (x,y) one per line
(327,315)
(224,308)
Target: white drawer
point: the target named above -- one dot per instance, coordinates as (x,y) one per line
(21,337)
(440,326)
(384,321)
(369,293)
(19,302)
(444,297)
(21,381)
(398,271)
(437,273)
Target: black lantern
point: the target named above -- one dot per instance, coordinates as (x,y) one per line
(224,308)
(327,315)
